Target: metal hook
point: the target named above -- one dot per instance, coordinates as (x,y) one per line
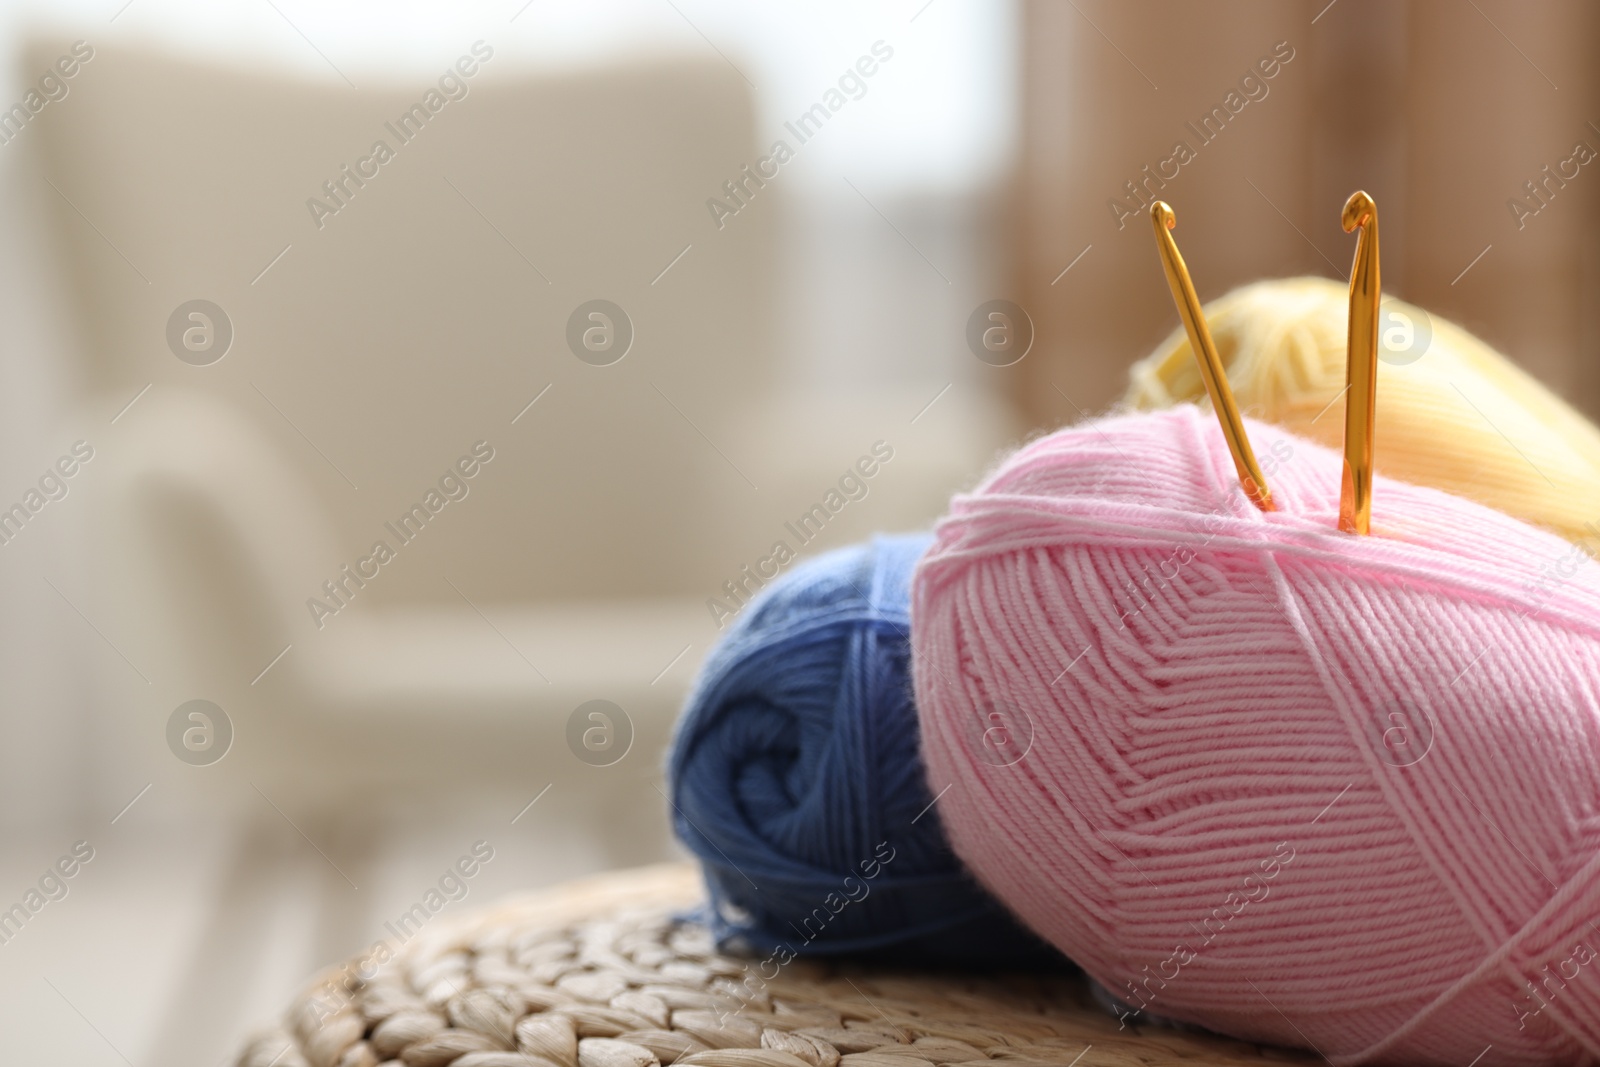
(1361,366)
(1251,479)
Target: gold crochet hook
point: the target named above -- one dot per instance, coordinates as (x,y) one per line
(1361,366)
(1205,353)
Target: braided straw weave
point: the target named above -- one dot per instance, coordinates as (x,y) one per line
(604,973)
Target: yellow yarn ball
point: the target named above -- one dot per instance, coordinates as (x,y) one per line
(1461,417)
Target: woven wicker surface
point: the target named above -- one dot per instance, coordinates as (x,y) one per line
(599,973)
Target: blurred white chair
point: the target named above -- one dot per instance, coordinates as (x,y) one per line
(373,351)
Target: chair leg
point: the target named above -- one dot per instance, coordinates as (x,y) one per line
(202,1017)
(348,869)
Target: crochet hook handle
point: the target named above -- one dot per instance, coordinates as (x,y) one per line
(1361,366)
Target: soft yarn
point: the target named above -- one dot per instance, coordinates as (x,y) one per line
(1441,416)
(796,780)
(1292,785)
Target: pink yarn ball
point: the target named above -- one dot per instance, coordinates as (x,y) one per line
(1288,784)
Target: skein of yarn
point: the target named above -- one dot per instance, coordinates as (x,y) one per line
(1449,404)
(1322,790)
(796,780)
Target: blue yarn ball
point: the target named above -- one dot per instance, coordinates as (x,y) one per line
(796,770)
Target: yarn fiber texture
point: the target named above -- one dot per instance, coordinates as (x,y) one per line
(1440,416)
(794,772)
(1250,773)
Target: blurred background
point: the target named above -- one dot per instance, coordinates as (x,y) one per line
(627,289)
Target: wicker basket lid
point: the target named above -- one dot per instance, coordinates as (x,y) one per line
(605,972)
